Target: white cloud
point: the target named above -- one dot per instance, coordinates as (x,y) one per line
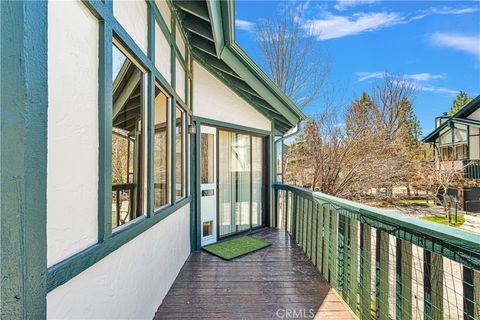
(452,10)
(424,76)
(331,26)
(363,76)
(345,4)
(468,44)
(244,25)
(421,81)
(438,90)
(416,77)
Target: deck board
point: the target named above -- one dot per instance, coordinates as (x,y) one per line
(262,285)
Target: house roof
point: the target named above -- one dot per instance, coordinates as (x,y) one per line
(210,26)
(459,117)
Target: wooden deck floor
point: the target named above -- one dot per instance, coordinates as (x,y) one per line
(268,284)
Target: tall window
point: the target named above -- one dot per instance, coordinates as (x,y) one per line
(127,139)
(160,164)
(180,153)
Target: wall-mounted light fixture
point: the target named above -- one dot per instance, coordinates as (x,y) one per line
(192,128)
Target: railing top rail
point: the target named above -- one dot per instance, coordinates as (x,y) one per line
(464,245)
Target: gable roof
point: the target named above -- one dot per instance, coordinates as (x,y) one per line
(210,27)
(470,108)
(459,117)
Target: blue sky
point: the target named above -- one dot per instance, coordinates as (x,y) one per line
(435,44)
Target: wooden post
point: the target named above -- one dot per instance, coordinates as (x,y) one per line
(404,280)
(381,279)
(365,270)
(320,238)
(326,242)
(354,248)
(432,285)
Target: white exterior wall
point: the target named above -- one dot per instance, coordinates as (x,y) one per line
(474,143)
(214,100)
(475,115)
(72,167)
(131,282)
(133,16)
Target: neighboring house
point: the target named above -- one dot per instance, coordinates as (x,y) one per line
(457,149)
(151,133)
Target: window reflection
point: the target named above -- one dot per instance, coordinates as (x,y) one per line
(160,149)
(180,152)
(127,137)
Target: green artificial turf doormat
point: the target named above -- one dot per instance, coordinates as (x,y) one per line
(237,247)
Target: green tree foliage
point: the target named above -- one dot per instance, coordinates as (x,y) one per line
(460,101)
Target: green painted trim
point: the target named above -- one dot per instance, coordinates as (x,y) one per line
(333,247)
(150,115)
(403,296)
(455,244)
(215,13)
(381,278)
(365,270)
(469,108)
(234,62)
(320,250)
(108,242)
(354,245)
(468,294)
(433,286)
(227,125)
(262,83)
(23,132)
(326,243)
(341,254)
(65,270)
(195,222)
(104,131)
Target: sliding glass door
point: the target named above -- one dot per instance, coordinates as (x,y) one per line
(240,182)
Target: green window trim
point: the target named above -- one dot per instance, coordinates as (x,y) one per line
(67,269)
(108,242)
(23,143)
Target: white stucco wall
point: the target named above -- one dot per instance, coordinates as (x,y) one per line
(72,179)
(162,53)
(131,282)
(133,16)
(214,100)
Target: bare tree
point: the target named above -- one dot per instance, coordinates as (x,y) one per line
(293,61)
(325,158)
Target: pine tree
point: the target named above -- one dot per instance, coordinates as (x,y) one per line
(460,101)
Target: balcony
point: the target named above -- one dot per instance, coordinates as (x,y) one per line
(332,259)
(471,169)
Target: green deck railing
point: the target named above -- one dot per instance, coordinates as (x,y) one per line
(385,265)
(471,169)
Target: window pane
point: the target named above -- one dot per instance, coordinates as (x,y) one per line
(160,174)
(279,160)
(180,153)
(127,137)
(207,155)
(257,181)
(234,175)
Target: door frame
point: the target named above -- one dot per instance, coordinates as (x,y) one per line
(195,208)
(214,236)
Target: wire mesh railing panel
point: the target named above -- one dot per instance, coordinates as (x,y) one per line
(385,266)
